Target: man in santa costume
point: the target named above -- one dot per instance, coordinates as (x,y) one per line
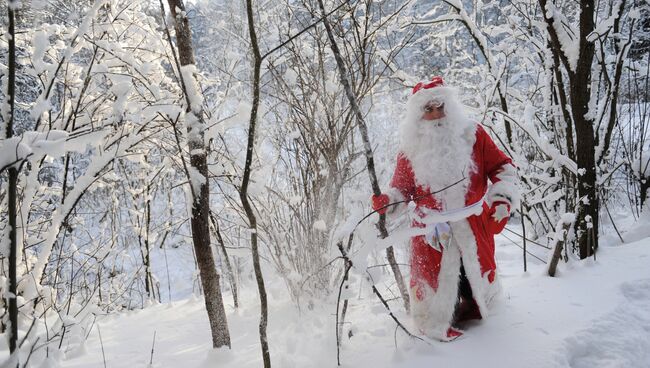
(453,268)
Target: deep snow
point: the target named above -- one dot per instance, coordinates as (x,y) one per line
(594,314)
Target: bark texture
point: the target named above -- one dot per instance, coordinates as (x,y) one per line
(12,189)
(200,223)
(580,96)
(586,143)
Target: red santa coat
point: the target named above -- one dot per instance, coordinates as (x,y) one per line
(435,274)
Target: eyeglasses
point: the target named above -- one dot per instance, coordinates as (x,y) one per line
(432,106)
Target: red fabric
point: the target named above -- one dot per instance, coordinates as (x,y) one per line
(453,334)
(425,261)
(496,227)
(379,203)
(435,82)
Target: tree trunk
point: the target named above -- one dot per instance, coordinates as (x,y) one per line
(243,191)
(559,244)
(586,143)
(149,284)
(12,190)
(644,185)
(201,206)
(580,96)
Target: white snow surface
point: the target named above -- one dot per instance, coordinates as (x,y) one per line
(594,314)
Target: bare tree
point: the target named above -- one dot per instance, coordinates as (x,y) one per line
(8,116)
(580,94)
(243,190)
(198,176)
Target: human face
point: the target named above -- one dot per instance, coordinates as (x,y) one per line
(433,110)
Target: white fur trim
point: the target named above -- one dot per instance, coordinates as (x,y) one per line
(433,314)
(441,93)
(505,189)
(484,292)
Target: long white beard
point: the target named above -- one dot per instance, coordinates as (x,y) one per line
(440,152)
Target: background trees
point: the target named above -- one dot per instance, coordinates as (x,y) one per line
(106,141)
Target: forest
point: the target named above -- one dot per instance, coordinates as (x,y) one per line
(199,174)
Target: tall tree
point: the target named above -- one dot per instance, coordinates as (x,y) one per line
(13,185)
(198,177)
(579,69)
(243,191)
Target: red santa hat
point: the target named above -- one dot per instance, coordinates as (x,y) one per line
(436,81)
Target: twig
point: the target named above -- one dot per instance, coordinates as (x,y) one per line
(304,30)
(101,343)
(31,327)
(348,266)
(515,243)
(527,239)
(390,312)
(153,344)
(523,228)
(405,201)
(375,291)
(612,221)
(31,351)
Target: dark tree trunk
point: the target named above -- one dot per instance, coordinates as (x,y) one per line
(557,248)
(243,191)
(585,144)
(562,97)
(580,95)
(644,186)
(149,284)
(12,190)
(201,207)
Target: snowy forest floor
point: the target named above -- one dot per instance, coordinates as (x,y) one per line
(594,314)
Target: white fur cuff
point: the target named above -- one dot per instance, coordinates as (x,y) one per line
(504,191)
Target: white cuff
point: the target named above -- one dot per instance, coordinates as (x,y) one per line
(505,190)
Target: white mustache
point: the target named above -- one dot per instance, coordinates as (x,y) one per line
(438,123)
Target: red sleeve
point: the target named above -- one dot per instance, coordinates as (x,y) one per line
(500,170)
(403,178)
(494,159)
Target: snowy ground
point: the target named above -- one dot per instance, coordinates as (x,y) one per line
(595,314)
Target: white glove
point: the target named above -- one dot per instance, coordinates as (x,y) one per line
(440,233)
